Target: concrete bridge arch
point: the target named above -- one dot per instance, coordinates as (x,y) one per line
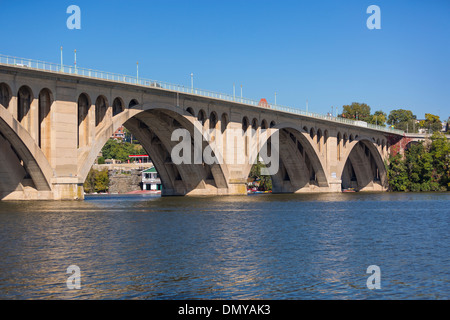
(24,165)
(301,166)
(152,124)
(362,166)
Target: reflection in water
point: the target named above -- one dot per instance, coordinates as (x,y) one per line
(255,247)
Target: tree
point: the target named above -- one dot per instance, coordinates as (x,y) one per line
(96,181)
(89,184)
(403,120)
(397,174)
(440,151)
(378,118)
(102,181)
(399,116)
(357,111)
(432,123)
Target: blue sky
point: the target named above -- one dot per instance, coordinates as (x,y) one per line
(320,51)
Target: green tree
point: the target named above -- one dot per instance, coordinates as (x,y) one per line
(431,123)
(357,111)
(96,181)
(440,152)
(397,174)
(378,118)
(89,184)
(403,120)
(102,181)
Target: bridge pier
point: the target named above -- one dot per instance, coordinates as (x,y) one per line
(67,188)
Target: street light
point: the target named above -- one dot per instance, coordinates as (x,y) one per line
(192,82)
(75,52)
(62,59)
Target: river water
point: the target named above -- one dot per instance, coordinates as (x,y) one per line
(256,247)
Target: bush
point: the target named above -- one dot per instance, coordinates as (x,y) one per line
(434,186)
(425,187)
(415,187)
(96,181)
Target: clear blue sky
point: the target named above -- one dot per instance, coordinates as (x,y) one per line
(319,51)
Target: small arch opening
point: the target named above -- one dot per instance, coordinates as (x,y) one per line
(201,117)
(213,120)
(101,106)
(5,95)
(190,111)
(133,103)
(24,99)
(84,104)
(118,106)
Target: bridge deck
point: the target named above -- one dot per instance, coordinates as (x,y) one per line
(23,63)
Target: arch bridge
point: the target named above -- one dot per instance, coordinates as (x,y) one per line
(54,122)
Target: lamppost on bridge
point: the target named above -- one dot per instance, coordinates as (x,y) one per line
(192,82)
(275,98)
(62,59)
(234,92)
(75,53)
(241,94)
(137,72)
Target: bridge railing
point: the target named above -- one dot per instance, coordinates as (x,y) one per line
(96,74)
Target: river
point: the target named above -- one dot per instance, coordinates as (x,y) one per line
(278,247)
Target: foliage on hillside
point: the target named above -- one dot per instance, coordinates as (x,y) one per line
(424,167)
(121,150)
